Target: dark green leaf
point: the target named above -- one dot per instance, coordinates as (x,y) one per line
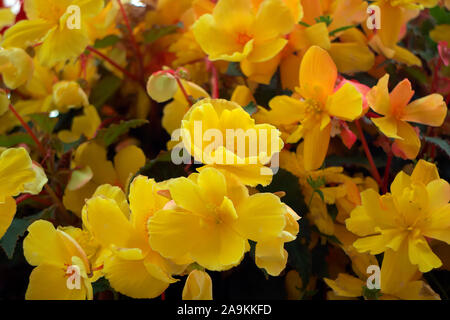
(109,135)
(8,141)
(107,41)
(251,108)
(160,31)
(332,33)
(17,229)
(104,90)
(299,257)
(234,70)
(44,122)
(442,144)
(441,15)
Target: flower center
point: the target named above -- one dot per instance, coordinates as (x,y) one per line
(243,38)
(313,106)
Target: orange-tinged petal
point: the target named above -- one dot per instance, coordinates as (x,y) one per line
(391,23)
(286,110)
(378,97)
(430,110)
(400,96)
(318,74)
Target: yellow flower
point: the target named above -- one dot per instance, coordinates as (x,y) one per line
(90,154)
(198,286)
(396,110)
(133,267)
(59,25)
(238,30)
(86,124)
(318,75)
(59,261)
(212,218)
(394,15)
(441,33)
(16,67)
(417,207)
(17,175)
(67,95)
(225,122)
(175,110)
(7,17)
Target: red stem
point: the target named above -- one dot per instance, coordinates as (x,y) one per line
(113,63)
(180,85)
(386,171)
(28,129)
(214,79)
(374,170)
(132,38)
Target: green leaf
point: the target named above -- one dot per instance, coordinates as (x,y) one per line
(17,229)
(327,19)
(442,144)
(160,31)
(299,257)
(251,108)
(441,15)
(8,141)
(110,135)
(101,285)
(234,70)
(332,33)
(371,294)
(107,41)
(104,90)
(304,24)
(44,122)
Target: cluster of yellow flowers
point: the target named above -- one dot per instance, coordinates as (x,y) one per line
(91,89)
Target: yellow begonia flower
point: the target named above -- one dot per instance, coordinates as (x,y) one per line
(245,154)
(395,283)
(86,124)
(271,255)
(16,67)
(60,25)
(4,102)
(419,4)
(62,268)
(212,219)
(133,267)
(18,175)
(126,163)
(394,15)
(238,30)
(417,207)
(318,76)
(69,94)
(397,111)
(175,110)
(198,286)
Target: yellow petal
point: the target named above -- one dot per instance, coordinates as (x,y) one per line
(127,162)
(261,217)
(26,33)
(198,286)
(410,143)
(424,172)
(49,282)
(420,254)
(352,57)
(378,97)
(271,256)
(346,103)
(266,51)
(7,212)
(286,110)
(346,285)
(316,146)
(15,172)
(387,125)
(107,222)
(132,278)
